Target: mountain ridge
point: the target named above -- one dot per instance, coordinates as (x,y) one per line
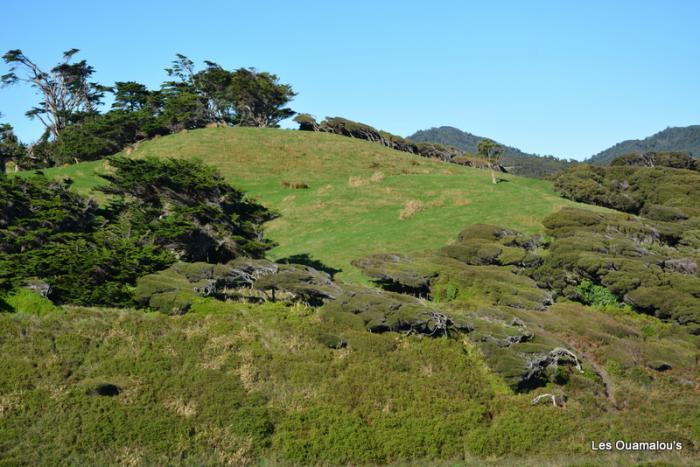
(518,161)
(680,139)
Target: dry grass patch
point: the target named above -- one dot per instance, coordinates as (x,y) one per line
(245,335)
(195,329)
(215,363)
(130,456)
(437,203)
(131,388)
(377,177)
(9,402)
(249,376)
(218,349)
(182,408)
(357,181)
(324,189)
(463,202)
(248,373)
(230,448)
(411,208)
(417,171)
(289,199)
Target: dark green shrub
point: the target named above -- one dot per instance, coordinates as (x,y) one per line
(105,134)
(188,208)
(596,295)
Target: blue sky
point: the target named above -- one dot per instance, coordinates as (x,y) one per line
(567,78)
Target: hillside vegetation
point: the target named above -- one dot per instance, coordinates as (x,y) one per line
(416,313)
(651,259)
(361,198)
(230,383)
(680,139)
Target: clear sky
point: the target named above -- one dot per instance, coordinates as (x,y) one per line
(567,78)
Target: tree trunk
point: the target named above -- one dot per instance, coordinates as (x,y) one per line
(493,175)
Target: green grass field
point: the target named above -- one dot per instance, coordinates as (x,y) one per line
(362,198)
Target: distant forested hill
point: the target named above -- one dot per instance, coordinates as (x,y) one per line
(518,162)
(680,139)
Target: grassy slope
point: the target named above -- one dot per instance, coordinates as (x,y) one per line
(334,221)
(207,387)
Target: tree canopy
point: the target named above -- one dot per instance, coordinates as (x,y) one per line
(75,129)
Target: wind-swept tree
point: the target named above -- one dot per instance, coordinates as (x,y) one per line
(211,86)
(243,97)
(130,96)
(183,106)
(182,68)
(214,84)
(492,152)
(65,90)
(260,98)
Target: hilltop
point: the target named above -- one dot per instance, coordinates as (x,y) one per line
(677,139)
(517,161)
(361,199)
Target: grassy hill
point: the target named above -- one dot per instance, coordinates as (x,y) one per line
(517,161)
(242,383)
(680,139)
(362,198)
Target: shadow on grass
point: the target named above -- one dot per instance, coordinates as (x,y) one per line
(5,307)
(308,260)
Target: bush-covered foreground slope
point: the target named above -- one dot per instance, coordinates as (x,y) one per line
(361,198)
(235,383)
(362,376)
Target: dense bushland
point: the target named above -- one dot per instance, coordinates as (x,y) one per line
(661,192)
(159,211)
(652,266)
